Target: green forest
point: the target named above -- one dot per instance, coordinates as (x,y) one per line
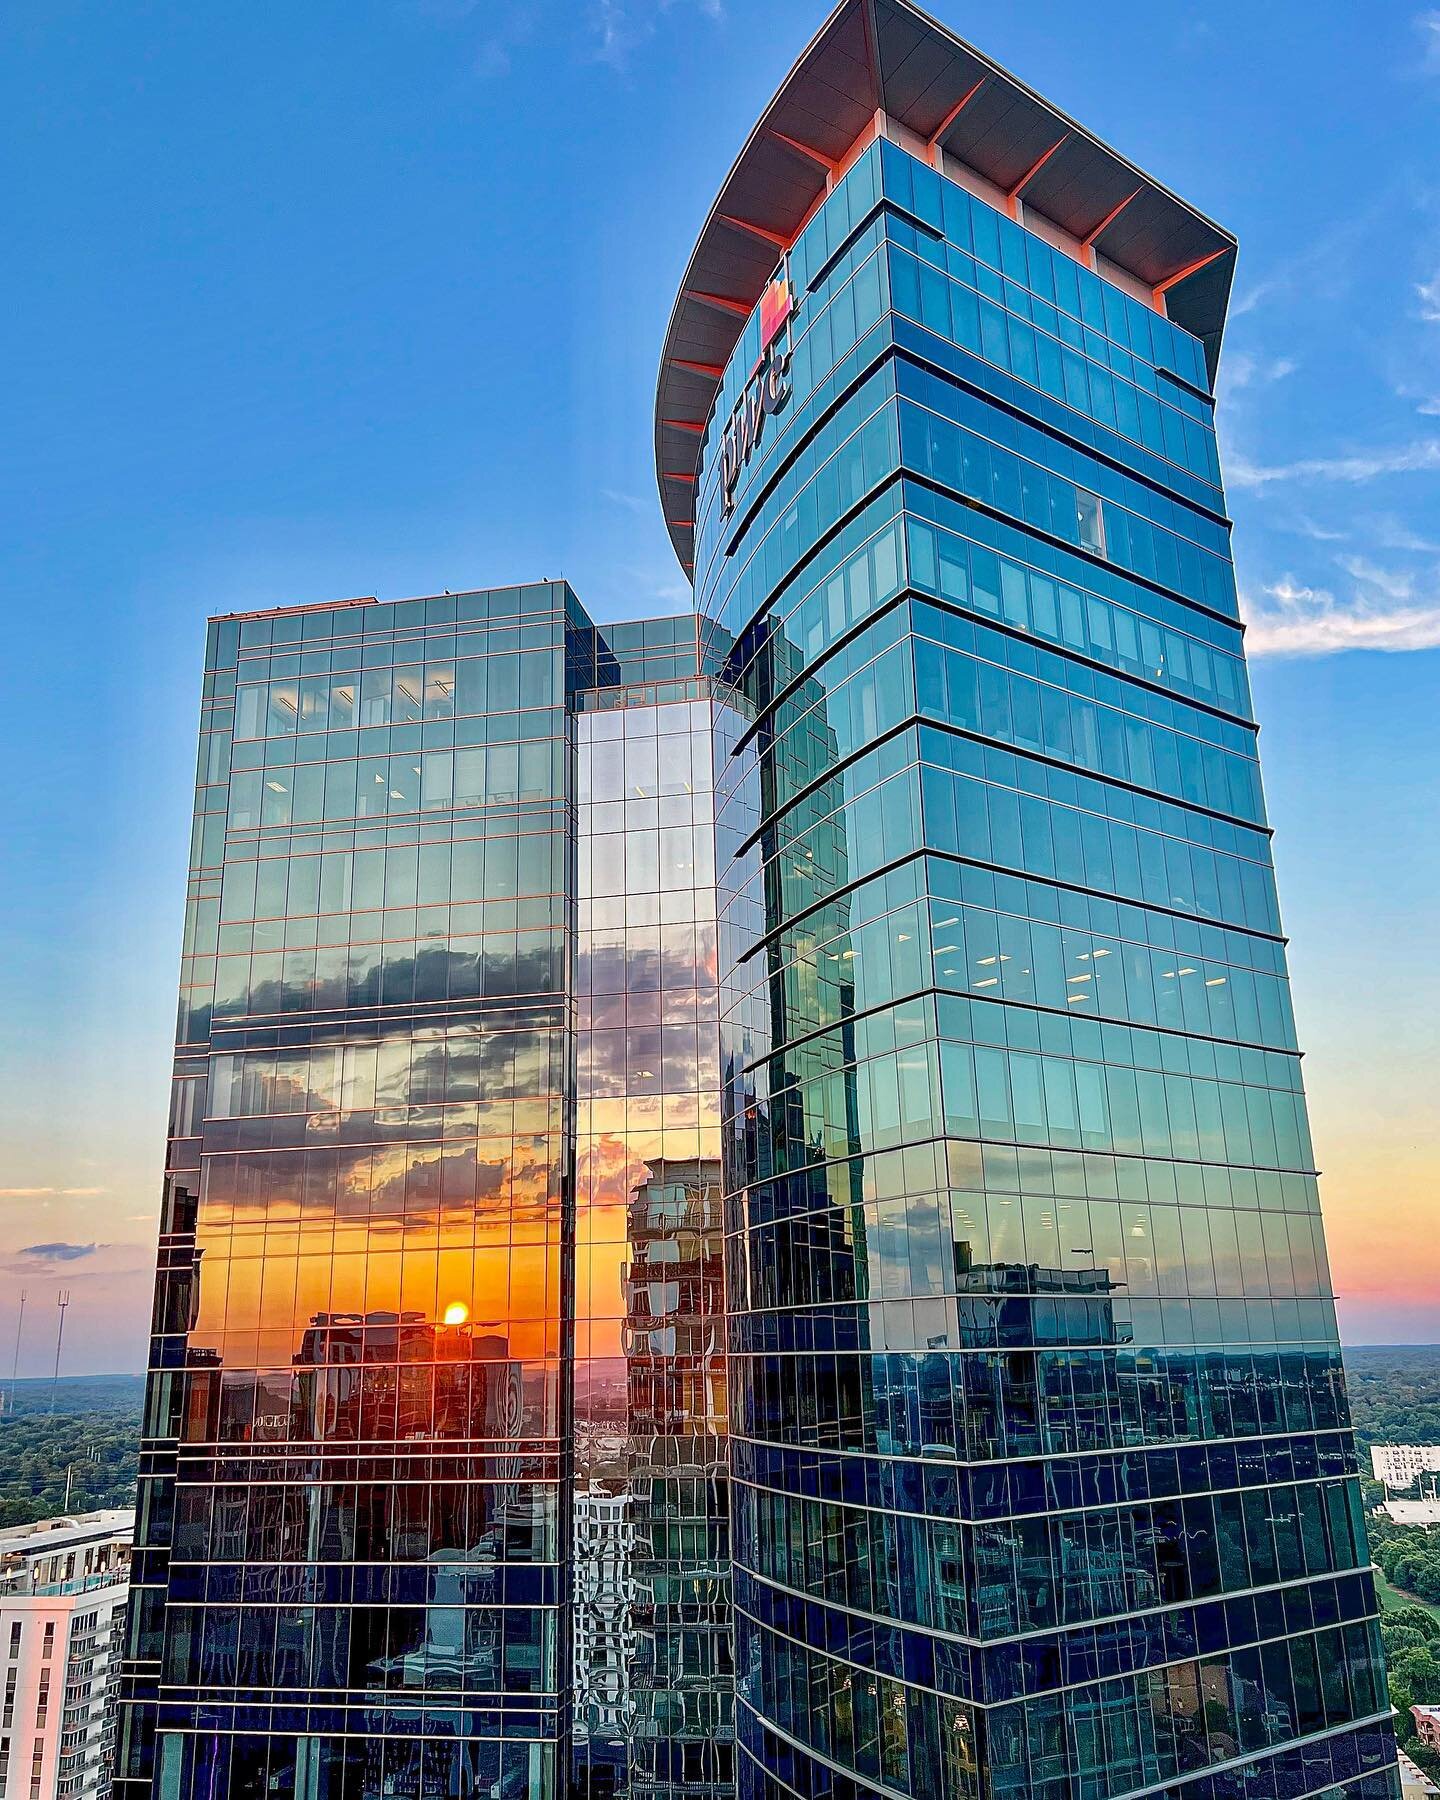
(1394,1394)
(82,1428)
(1395,1399)
(88,1426)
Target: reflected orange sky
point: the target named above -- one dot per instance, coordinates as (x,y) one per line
(1373,1118)
(79,1209)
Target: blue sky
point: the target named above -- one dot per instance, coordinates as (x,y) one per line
(326,300)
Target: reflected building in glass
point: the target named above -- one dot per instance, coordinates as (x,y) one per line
(1042,1482)
(739,1216)
(653,1672)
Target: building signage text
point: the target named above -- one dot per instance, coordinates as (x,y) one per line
(764,393)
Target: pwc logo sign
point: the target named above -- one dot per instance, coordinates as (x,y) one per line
(776,305)
(764,393)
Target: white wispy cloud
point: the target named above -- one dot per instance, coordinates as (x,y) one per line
(39,1193)
(1394,584)
(1423,394)
(1249,298)
(504,29)
(615,35)
(1307,527)
(1354,466)
(494,54)
(619,27)
(1289,618)
(1244,370)
(631,502)
(603,31)
(1428,25)
(1390,533)
(1325,266)
(1429,294)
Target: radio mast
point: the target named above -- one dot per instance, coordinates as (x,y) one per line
(62,1300)
(15,1364)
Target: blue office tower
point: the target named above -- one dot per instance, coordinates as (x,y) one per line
(1042,1477)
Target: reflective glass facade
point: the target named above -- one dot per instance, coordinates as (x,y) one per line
(432,1497)
(1042,1482)
(739,1215)
(654,1681)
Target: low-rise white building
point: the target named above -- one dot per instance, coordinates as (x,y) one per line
(64,1584)
(1401,1465)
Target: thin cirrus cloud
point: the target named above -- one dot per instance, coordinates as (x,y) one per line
(1396,585)
(1394,534)
(1241,370)
(631,502)
(1384,612)
(45,1193)
(1428,25)
(621,26)
(1305,526)
(597,31)
(1324,267)
(607,31)
(1357,466)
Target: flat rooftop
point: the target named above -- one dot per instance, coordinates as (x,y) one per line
(44,1536)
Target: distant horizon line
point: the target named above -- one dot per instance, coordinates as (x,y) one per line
(139,1374)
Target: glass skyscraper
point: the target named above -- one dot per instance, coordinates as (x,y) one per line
(740,1215)
(1041,1477)
(434,1491)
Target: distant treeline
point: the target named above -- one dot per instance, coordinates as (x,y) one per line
(1394,1394)
(92,1433)
(95,1425)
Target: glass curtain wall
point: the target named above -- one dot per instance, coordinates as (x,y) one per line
(1042,1477)
(349,1572)
(653,1674)
(424,1504)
